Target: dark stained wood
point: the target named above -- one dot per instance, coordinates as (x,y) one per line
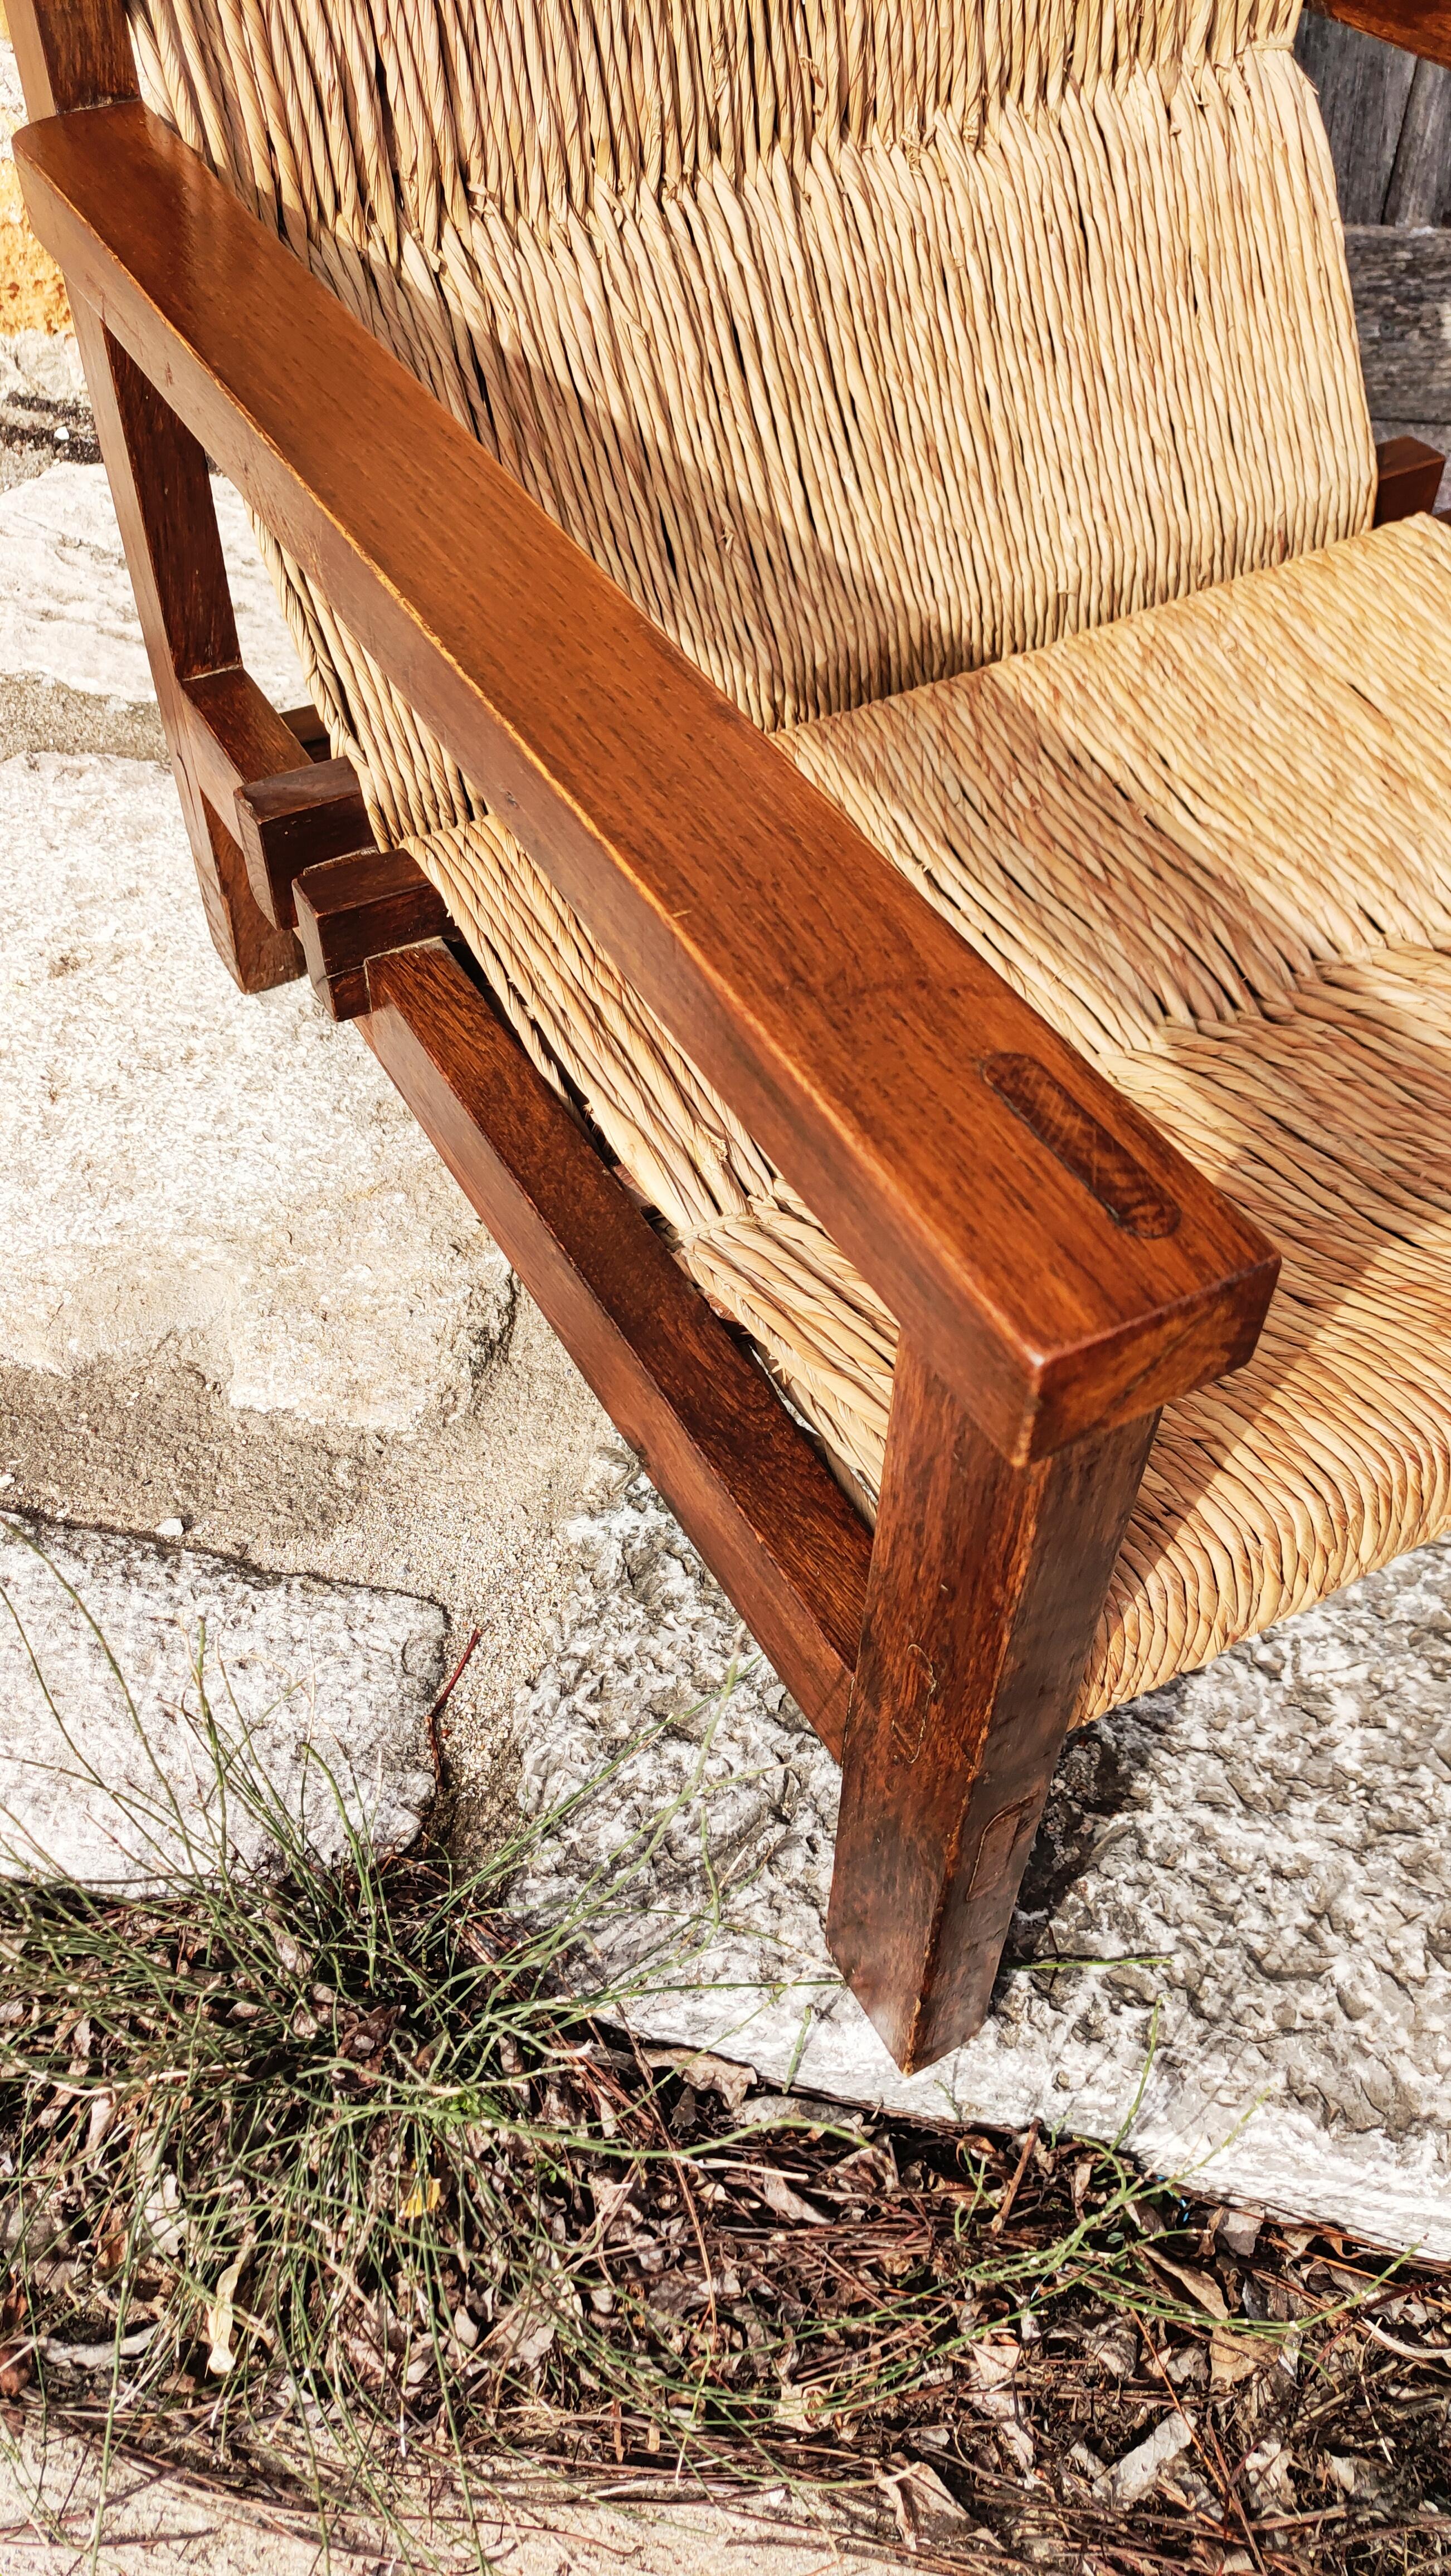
(310,730)
(71,53)
(163,497)
(288,814)
(74,54)
(1401,283)
(1421,27)
(745,1482)
(838,1014)
(1408,478)
(234,733)
(353,909)
(986,1586)
(296,820)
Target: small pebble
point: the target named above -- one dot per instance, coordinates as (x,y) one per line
(1238,2231)
(171,1529)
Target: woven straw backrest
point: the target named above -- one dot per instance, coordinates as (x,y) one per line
(862,341)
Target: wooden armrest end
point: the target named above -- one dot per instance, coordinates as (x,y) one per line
(1408,478)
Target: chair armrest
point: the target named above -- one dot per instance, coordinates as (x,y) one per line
(1054,1259)
(1418,26)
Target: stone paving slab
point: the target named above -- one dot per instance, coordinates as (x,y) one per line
(66,603)
(183,1163)
(44,365)
(112,1652)
(1269,1840)
(238,1286)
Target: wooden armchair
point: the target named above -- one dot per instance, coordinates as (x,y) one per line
(969,401)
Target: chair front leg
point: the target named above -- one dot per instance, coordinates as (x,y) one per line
(986,1586)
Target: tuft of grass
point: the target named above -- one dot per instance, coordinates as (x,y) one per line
(329,2179)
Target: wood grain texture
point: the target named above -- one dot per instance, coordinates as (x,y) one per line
(840,1017)
(1420,184)
(288,812)
(71,53)
(74,55)
(234,733)
(1364,89)
(352,909)
(1420,27)
(294,820)
(1401,282)
(746,1484)
(163,496)
(1408,478)
(986,1585)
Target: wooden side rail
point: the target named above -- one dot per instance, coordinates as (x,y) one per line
(1050,1256)
(744,1480)
(975,1607)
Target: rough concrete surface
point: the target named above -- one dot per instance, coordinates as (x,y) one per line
(45,413)
(1267,1841)
(42,366)
(131,1671)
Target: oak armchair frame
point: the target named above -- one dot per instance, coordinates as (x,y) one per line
(1059,1271)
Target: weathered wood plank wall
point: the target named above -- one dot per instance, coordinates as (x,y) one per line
(1389,122)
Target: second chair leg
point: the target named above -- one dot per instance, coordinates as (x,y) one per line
(986,1587)
(163,496)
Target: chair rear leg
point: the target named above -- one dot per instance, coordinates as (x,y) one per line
(986,1586)
(163,496)
(75,54)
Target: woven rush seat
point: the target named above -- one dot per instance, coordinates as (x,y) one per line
(974,397)
(1212,844)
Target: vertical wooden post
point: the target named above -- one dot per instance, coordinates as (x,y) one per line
(76,54)
(985,1590)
